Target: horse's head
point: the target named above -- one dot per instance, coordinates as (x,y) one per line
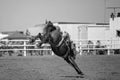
(49,27)
(49,23)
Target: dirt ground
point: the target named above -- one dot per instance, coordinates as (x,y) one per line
(96,67)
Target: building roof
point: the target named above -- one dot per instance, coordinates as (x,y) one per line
(11,32)
(81,23)
(16,36)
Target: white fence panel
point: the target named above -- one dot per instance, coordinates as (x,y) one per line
(21,45)
(109,46)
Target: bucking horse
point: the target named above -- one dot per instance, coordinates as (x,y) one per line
(60,43)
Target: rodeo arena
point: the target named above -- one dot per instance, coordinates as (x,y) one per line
(96,45)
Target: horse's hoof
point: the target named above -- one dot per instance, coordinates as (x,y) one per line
(81,73)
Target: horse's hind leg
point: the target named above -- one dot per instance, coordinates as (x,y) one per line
(71,61)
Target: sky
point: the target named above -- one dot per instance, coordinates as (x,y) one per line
(22,14)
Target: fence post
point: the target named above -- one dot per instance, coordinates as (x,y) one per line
(52,52)
(108,48)
(108,52)
(80,48)
(24,48)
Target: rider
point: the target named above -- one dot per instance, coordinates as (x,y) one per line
(49,28)
(65,36)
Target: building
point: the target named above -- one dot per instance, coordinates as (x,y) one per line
(3,36)
(77,30)
(84,31)
(12,35)
(114,31)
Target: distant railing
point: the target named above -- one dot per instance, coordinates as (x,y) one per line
(84,47)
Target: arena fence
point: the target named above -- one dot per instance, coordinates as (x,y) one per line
(24,47)
(84,47)
(88,47)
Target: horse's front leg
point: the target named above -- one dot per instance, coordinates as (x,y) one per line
(71,61)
